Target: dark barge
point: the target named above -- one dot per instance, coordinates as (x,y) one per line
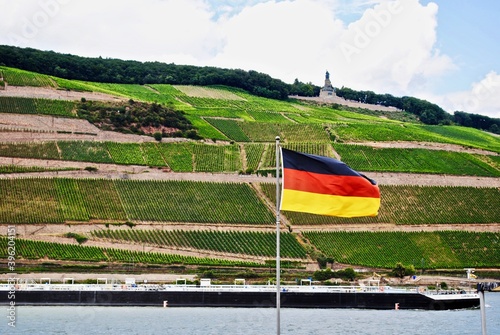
(239,296)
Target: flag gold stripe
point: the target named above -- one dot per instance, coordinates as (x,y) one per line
(325,204)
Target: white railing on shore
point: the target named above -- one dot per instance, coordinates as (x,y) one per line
(173,287)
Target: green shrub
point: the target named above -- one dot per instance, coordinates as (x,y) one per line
(158,136)
(79,238)
(401,271)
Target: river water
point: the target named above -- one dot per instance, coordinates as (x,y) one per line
(248,321)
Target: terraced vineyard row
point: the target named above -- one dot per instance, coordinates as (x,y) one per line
(259,132)
(28,249)
(364,158)
(268,117)
(181,157)
(403,204)
(37,106)
(383,132)
(4,169)
(254,154)
(229,128)
(65,200)
(428,250)
(466,136)
(267,131)
(248,243)
(60,200)
(315,148)
(95,152)
(205,92)
(16,77)
(41,150)
(152,93)
(424,250)
(222,97)
(211,158)
(186,201)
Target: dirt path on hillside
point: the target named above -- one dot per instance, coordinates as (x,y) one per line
(382,227)
(32,128)
(426,145)
(341,101)
(55,94)
(35,135)
(137,172)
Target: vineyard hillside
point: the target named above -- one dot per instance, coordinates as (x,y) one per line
(124,178)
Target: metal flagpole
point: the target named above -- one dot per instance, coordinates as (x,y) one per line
(481,287)
(483,312)
(277,236)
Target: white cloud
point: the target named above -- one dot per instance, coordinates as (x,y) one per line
(128,29)
(391,49)
(287,39)
(482,98)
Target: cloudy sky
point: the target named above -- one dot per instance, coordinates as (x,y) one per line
(444,51)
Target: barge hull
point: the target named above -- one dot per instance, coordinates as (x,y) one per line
(362,300)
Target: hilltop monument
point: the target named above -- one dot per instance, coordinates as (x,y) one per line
(327,91)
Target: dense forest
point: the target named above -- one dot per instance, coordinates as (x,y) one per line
(260,84)
(427,112)
(134,72)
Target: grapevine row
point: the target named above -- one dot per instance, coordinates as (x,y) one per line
(28,249)
(249,243)
(404,204)
(445,249)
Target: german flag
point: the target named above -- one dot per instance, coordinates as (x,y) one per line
(325,186)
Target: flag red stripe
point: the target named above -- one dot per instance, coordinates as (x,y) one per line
(329,184)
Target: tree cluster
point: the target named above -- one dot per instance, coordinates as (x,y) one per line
(137,118)
(345,274)
(401,270)
(427,112)
(477,121)
(134,72)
